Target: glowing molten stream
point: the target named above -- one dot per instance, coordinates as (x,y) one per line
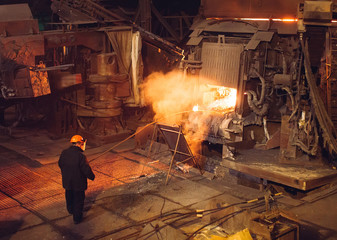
(218,98)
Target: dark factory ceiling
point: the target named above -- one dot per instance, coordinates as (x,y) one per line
(41,8)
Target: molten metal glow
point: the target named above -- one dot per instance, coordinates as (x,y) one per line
(289,20)
(224,99)
(196,108)
(260,19)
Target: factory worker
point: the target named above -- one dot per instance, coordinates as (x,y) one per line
(75,170)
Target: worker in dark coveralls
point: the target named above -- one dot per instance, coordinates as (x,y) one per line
(75,170)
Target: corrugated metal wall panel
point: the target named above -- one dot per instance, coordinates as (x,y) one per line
(221,63)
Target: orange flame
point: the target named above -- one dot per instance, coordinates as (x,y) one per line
(169,94)
(174,92)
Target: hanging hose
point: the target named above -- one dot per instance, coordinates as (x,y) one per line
(263,88)
(253,103)
(261,111)
(292,99)
(266,133)
(288,90)
(3,92)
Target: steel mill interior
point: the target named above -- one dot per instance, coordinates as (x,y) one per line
(203,119)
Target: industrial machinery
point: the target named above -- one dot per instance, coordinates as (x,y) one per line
(277,58)
(261,74)
(79,76)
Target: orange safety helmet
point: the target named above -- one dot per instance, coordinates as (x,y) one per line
(77,138)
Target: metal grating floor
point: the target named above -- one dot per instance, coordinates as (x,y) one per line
(42,187)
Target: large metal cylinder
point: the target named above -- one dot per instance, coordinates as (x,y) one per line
(107,64)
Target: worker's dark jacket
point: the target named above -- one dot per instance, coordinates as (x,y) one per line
(75,169)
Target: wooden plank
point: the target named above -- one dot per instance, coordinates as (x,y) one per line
(282,178)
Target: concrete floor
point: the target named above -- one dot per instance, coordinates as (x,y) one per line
(128,193)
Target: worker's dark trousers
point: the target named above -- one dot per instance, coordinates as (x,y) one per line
(75,202)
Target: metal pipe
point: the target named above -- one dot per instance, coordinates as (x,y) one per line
(263,88)
(288,90)
(259,111)
(266,133)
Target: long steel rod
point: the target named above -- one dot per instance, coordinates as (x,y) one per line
(174,153)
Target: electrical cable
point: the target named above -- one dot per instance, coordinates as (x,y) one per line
(162,207)
(228,216)
(180,217)
(210,211)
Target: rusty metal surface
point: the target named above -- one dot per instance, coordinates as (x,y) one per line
(66,79)
(176,141)
(18,54)
(21,84)
(25,185)
(265,165)
(22,49)
(15,28)
(7,202)
(143,135)
(194,41)
(224,26)
(328,130)
(54,39)
(259,37)
(103,102)
(41,187)
(20,43)
(283,227)
(15,12)
(39,81)
(287,150)
(263,36)
(17,19)
(317,11)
